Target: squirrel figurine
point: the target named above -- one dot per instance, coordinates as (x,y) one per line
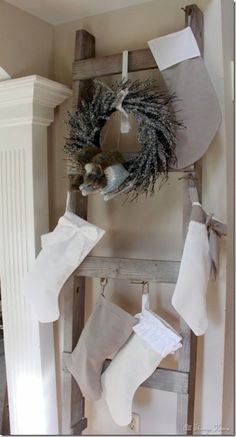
(96,171)
(77,167)
(104,167)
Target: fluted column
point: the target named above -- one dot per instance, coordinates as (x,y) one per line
(26,109)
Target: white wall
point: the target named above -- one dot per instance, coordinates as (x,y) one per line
(152,228)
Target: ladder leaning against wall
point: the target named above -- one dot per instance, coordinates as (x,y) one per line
(182,381)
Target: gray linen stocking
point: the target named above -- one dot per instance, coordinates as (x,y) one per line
(184,72)
(107,329)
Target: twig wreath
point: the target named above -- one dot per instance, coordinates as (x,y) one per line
(93,170)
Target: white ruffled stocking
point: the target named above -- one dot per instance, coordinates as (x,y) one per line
(152,340)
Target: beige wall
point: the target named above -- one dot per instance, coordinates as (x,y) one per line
(152,228)
(228,46)
(26,43)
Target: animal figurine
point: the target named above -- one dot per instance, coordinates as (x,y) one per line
(94,180)
(122,189)
(115,175)
(75,181)
(103,172)
(84,156)
(77,165)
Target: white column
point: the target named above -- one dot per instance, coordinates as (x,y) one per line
(26,109)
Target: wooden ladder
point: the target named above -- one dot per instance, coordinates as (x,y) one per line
(181,381)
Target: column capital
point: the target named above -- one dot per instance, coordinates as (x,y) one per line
(30,99)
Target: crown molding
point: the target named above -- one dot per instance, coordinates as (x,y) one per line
(30,99)
(31,89)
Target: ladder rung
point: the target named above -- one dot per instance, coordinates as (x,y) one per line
(165,379)
(130,269)
(168,380)
(107,65)
(162,379)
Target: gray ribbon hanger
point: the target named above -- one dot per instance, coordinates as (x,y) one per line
(215,228)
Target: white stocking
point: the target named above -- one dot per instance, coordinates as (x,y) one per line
(135,362)
(63,250)
(189,298)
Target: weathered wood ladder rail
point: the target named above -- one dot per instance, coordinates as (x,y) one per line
(181,381)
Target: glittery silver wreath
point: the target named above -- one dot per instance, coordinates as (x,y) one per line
(157,125)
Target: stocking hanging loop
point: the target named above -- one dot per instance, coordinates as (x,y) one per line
(68,201)
(125,125)
(125,65)
(145,294)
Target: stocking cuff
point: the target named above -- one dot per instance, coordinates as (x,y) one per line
(174,48)
(69,225)
(157,334)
